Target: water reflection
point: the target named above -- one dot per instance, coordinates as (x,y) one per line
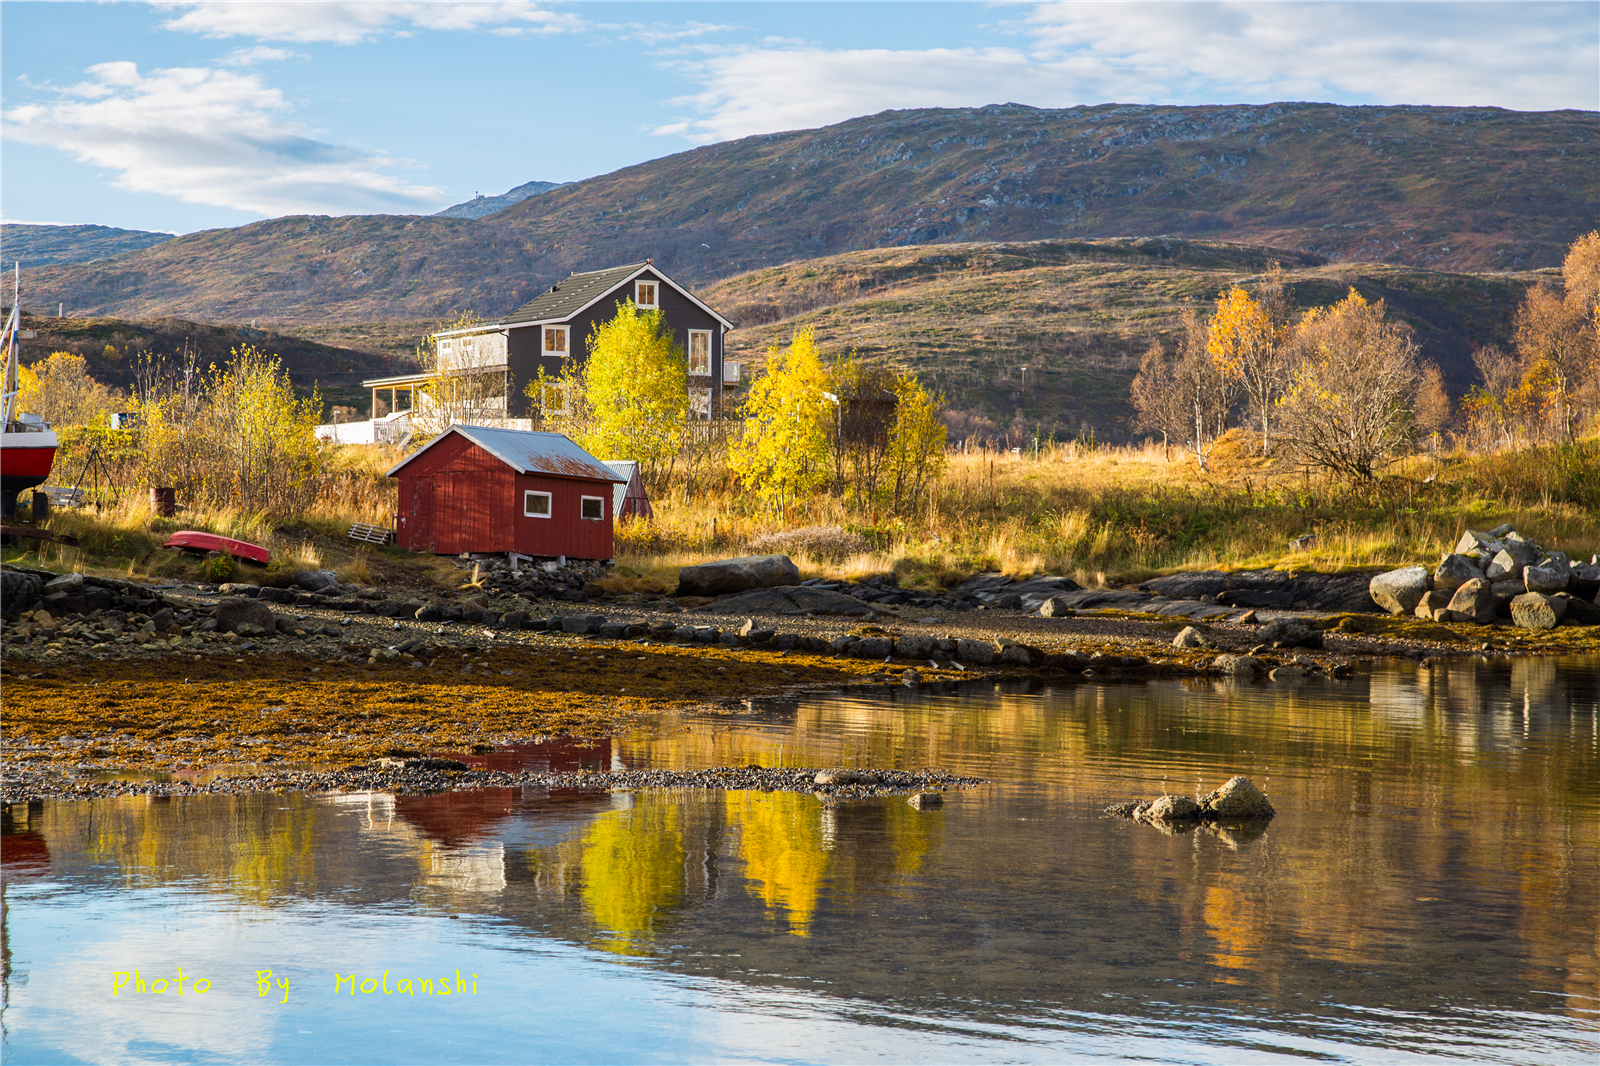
(1430,879)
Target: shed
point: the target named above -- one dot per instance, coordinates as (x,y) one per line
(630,501)
(475,489)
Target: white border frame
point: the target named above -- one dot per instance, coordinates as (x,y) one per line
(601,500)
(653,305)
(549,503)
(545,353)
(706,333)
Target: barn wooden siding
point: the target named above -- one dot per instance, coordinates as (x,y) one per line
(523,358)
(456,497)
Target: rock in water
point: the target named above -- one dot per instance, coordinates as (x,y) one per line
(737,575)
(926,801)
(1473,602)
(236,611)
(1399,591)
(1454,571)
(1239,798)
(1236,665)
(1535,610)
(1171,809)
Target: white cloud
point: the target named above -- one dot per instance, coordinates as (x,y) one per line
(245,57)
(1524,56)
(212,137)
(353,22)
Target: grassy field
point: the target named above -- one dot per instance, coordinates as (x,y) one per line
(1100,514)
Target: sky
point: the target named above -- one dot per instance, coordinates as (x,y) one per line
(186,116)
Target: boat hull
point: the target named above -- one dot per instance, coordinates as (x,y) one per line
(194,541)
(25,460)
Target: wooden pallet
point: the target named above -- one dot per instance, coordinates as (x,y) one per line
(31,533)
(370,534)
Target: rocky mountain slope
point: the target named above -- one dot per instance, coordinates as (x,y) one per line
(1459,189)
(45,245)
(483,206)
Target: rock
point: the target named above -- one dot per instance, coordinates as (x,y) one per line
(1579,611)
(1238,799)
(845,776)
(915,646)
(1022,655)
(164,620)
(1170,809)
(737,575)
(68,583)
(1399,591)
(1289,633)
(1547,579)
(233,588)
(911,679)
(251,629)
(1503,565)
(1190,637)
(1453,571)
(707,634)
(975,652)
(513,619)
(1535,610)
(575,623)
(1236,665)
(19,592)
(1055,607)
(760,636)
(839,645)
(235,611)
(430,613)
(1505,592)
(748,627)
(1437,600)
(272,595)
(435,764)
(316,580)
(1473,542)
(1287,673)
(471,612)
(873,648)
(926,801)
(1525,551)
(1472,602)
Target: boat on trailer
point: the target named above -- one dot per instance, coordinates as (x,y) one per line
(27,443)
(191,540)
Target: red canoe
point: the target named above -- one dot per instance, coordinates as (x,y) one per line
(191,541)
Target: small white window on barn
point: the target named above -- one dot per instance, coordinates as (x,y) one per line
(700,351)
(555,341)
(644,295)
(593,509)
(536,504)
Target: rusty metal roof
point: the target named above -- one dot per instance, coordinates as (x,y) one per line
(527,452)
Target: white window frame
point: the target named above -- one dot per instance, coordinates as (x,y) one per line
(527,498)
(655,295)
(553,390)
(699,403)
(698,371)
(601,500)
(566,342)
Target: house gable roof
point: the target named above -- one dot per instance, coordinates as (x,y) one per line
(577,293)
(526,452)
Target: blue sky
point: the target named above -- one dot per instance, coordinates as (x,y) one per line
(186,116)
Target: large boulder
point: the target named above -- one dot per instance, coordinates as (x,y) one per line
(19,592)
(316,580)
(236,611)
(1238,799)
(1454,571)
(1290,633)
(68,583)
(1579,611)
(1472,602)
(1399,591)
(1435,601)
(1474,543)
(737,575)
(1170,809)
(1535,610)
(1548,578)
(976,652)
(1526,552)
(1236,666)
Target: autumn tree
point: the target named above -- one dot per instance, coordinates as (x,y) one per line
(783,453)
(916,453)
(1433,407)
(1157,401)
(1186,398)
(1348,402)
(635,387)
(60,390)
(1558,340)
(1246,338)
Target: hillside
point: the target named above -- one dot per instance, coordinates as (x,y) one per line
(483,206)
(1460,189)
(1077,314)
(45,245)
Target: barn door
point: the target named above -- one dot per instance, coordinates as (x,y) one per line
(421,514)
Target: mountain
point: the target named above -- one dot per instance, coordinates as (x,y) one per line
(43,245)
(969,317)
(482,206)
(1456,189)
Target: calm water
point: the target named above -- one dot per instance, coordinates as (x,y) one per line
(1430,890)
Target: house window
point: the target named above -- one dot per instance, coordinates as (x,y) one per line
(536,504)
(644,295)
(553,399)
(555,341)
(592,509)
(700,403)
(700,351)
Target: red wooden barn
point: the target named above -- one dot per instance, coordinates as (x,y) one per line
(473,489)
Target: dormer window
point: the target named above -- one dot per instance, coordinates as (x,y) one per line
(555,342)
(644,295)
